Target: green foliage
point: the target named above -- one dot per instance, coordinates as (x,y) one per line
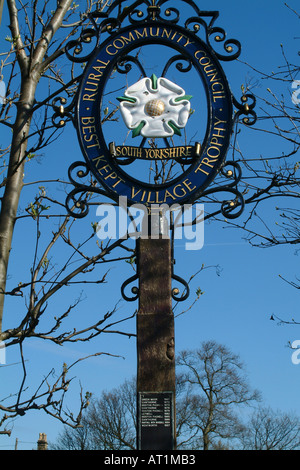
(199,292)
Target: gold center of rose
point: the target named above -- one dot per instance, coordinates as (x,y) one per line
(155,108)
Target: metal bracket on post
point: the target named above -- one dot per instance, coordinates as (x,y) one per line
(157,225)
(175,291)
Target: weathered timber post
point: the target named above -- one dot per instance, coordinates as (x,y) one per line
(155,345)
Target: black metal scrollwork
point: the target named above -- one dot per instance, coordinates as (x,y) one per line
(62,113)
(232,47)
(246,108)
(134,290)
(179,66)
(75,47)
(169,12)
(230,208)
(176,295)
(77,201)
(125,62)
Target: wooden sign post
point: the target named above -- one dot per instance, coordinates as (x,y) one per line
(155,346)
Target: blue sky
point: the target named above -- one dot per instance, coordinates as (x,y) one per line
(236,306)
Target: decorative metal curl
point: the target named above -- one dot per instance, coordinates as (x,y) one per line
(179,66)
(62,112)
(76,203)
(76,45)
(141,16)
(77,200)
(124,62)
(110,25)
(134,290)
(198,22)
(236,173)
(83,173)
(168,13)
(176,291)
(228,206)
(229,45)
(246,107)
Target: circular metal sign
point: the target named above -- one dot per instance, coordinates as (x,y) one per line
(154,109)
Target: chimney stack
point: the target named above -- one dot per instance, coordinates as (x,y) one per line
(42,442)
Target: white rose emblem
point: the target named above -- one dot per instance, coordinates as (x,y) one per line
(155,107)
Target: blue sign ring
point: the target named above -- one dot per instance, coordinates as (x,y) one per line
(204,166)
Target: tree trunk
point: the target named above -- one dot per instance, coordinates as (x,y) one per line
(208,427)
(206,440)
(14,183)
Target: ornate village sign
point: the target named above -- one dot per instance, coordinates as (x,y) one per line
(175,112)
(155,107)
